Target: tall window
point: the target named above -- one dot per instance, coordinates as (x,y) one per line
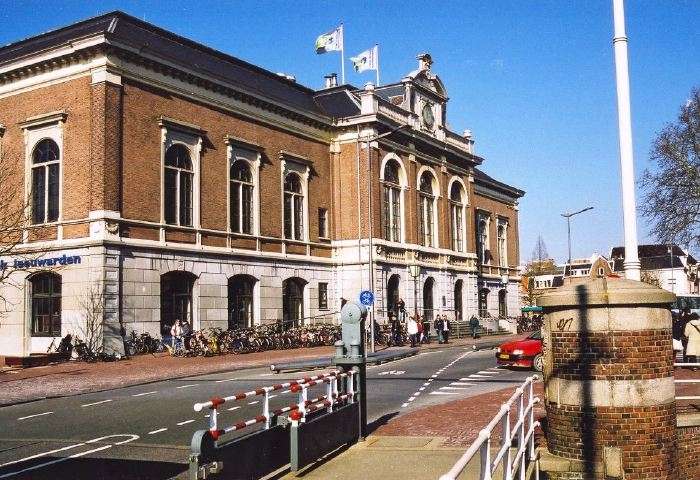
(426,205)
(457,217)
(428,299)
(46,159)
(175,299)
(482,239)
(322,223)
(241,208)
(240,301)
(483,302)
(501,239)
(178,186)
(458,300)
(293,207)
(292,302)
(323,296)
(502,303)
(391,202)
(46,305)
(392,294)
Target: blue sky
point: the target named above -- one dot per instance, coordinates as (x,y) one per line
(533,80)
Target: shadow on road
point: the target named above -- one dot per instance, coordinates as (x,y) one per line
(96,469)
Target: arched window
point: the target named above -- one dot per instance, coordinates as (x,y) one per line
(178,186)
(391,202)
(503,303)
(426,205)
(392,294)
(241,208)
(428,299)
(240,301)
(293,207)
(46,171)
(458,300)
(457,216)
(175,299)
(46,305)
(501,239)
(482,240)
(292,302)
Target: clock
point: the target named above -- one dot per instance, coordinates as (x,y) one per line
(427,114)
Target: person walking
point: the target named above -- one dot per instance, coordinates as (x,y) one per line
(474,325)
(692,333)
(176,334)
(426,329)
(437,325)
(412,330)
(445,329)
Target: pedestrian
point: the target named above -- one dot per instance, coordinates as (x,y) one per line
(176,334)
(426,329)
(419,335)
(186,334)
(684,318)
(445,329)
(437,325)
(474,325)
(412,330)
(692,333)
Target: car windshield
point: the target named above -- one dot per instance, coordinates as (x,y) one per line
(536,335)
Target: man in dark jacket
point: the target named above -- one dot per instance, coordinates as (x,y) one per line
(474,325)
(437,325)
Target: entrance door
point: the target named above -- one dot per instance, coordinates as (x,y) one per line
(428,299)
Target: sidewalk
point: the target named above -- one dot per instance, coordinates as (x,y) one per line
(73,378)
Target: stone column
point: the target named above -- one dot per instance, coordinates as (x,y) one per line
(609,391)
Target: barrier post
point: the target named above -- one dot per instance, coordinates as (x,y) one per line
(266,409)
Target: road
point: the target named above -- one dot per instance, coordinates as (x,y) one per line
(144,431)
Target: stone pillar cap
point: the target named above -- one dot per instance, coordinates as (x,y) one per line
(610,290)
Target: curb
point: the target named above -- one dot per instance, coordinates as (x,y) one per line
(372,359)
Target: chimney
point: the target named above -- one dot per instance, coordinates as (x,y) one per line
(331,80)
(424,61)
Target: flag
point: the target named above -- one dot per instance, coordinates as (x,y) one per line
(331,41)
(367,60)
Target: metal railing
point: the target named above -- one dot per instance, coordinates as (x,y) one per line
(296,411)
(689,380)
(523,432)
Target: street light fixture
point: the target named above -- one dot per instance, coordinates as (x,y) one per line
(568,228)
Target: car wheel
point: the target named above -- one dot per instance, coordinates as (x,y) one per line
(538,363)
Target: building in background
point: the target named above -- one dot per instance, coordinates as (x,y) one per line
(167,180)
(667,266)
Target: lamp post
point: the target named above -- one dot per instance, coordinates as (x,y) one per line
(568,228)
(414,271)
(367,141)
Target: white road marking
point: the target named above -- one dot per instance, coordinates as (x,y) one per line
(253,403)
(268,374)
(486,372)
(225,380)
(404,405)
(95,403)
(474,375)
(232,409)
(76,455)
(271,396)
(433,376)
(286,391)
(453,388)
(426,384)
(157,431)
(443,393)
(463,384)
(144,393)
(421,389)
(410,399)
(35,415)
(185,422)
(42,454)
(188,386)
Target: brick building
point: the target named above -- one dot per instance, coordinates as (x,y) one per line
(169,180)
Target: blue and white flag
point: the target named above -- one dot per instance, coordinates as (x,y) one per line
(367,60)
(331,41)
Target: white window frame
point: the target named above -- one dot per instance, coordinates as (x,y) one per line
(48,126)
(323,223)
(502,242)
(252,157)
(435,241)
(403,186)
(483,245)
(289,165)
(453,219)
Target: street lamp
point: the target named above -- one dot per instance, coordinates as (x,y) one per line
(568,228)
(414,271)
(368,141)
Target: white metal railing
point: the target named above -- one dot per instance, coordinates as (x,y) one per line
(523,431)
(297,411)
(689,380)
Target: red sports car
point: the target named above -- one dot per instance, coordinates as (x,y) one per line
(526,352)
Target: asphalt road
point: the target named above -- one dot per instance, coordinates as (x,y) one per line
(144,431)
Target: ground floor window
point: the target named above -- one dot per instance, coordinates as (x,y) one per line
(458,300)
(175,299)
(240,301)
(46,305)
(503,303)
(292,302)
(483,302)
(428,299)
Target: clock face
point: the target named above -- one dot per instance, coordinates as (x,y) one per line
(428,118)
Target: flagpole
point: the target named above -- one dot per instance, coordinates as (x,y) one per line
(376,45)
(342,53)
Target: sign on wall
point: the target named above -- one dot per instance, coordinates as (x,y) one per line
(21,263)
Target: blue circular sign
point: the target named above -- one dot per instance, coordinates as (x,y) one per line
(366,298)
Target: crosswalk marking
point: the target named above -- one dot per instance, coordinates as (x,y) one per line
(462,384)
(443,393)
(453,388)
(475,375)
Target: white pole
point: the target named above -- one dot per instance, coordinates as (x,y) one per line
(376,51)
(631,264)
(342,53)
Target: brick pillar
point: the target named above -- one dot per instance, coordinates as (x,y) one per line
(609,391)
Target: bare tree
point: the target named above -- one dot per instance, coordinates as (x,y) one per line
(14,215)
(671,198)
(651,278)
(540,253)
(92,305)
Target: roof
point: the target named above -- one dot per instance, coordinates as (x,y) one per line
(338,102)
(652,263)
(121,29)
(651,250)
(489,181)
